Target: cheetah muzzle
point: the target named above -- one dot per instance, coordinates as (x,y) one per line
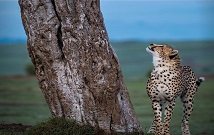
(169,80)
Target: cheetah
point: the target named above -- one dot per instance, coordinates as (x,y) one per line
(169,80)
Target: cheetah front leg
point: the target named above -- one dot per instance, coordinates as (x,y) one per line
(157,126)
(152,127)
(167,116)
(188,108)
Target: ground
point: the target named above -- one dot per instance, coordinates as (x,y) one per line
(22,102)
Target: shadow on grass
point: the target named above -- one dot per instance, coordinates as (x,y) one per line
(55,126)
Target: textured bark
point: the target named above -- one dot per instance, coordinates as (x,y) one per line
(77,69)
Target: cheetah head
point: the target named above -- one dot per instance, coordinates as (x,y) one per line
(162,51)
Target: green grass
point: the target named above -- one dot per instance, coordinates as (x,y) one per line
(61,126)
(135,61)
(13,59)
(22,102)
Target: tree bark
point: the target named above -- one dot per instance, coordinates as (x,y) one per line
(78,72)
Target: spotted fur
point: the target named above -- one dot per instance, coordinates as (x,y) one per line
(169,80)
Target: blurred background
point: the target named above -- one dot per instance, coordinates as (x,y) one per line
(132,25)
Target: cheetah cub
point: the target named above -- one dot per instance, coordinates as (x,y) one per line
(168,80)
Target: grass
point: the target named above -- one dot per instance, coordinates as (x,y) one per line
(13,59)
(135,61)
(22,102)
(61,126)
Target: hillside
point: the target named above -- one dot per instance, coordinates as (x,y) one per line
(135,61)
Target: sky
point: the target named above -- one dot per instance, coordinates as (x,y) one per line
(135,19)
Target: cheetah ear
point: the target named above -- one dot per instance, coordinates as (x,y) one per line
(173,54)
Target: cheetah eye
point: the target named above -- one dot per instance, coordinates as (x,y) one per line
(153,46)
(173,54)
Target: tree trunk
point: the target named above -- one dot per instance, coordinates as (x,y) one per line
(77,69)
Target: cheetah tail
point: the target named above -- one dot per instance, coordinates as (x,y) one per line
(200,80)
